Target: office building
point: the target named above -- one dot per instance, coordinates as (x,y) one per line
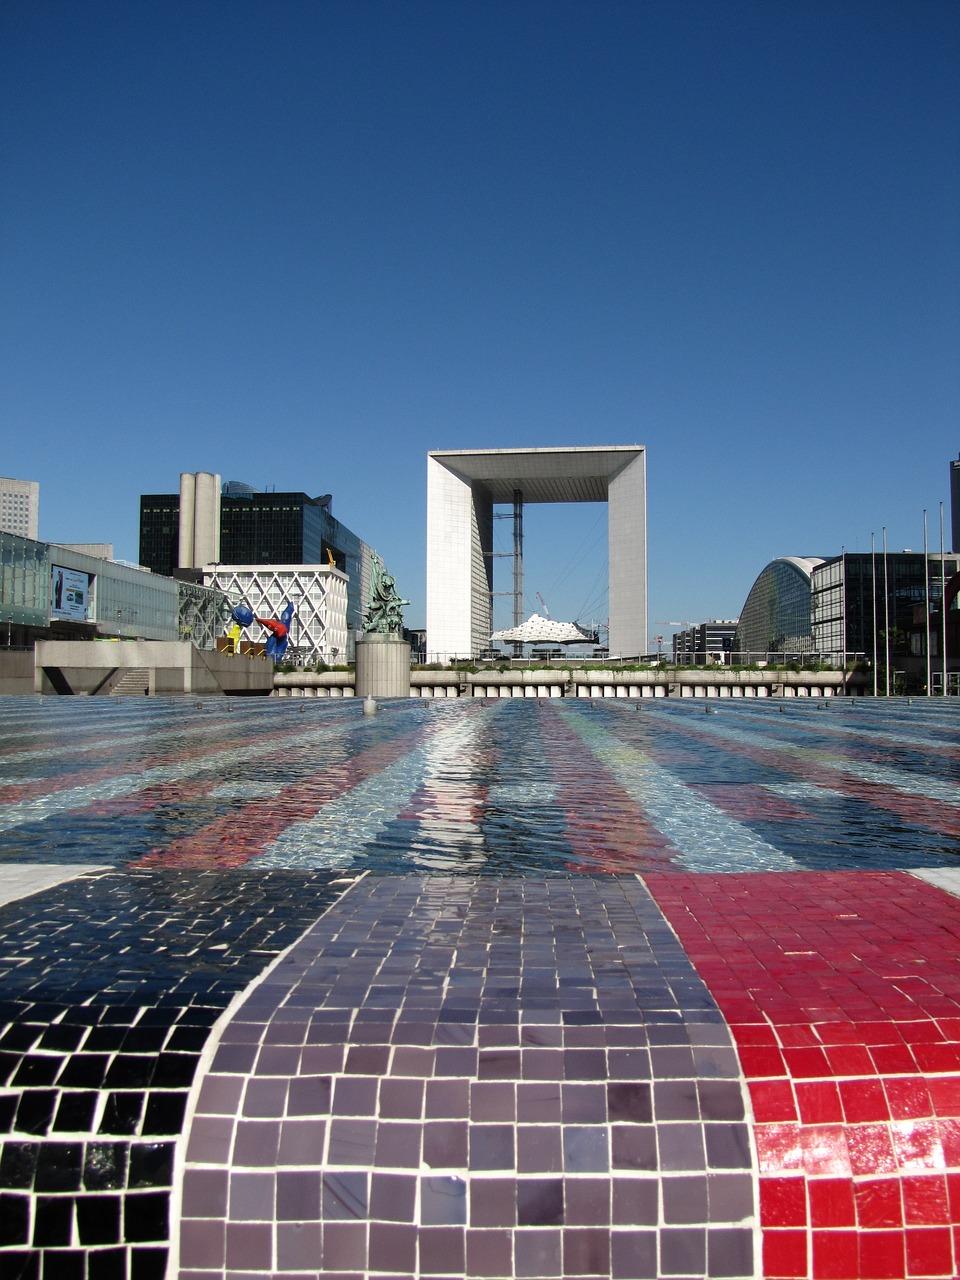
(775,618)
(207,523)
(19,507)
(955,504)
(99,550)
(53,592)
(863,603)
(463,487)
(318,593)
(705,642)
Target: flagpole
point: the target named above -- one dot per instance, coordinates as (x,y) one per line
(926,597)
(886,616)
(943,607)
(873,597)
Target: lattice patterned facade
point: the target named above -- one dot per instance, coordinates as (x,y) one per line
(203,613)
(319,594)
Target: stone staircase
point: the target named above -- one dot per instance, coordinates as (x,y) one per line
(133,682)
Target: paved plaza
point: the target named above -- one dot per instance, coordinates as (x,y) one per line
(528,988)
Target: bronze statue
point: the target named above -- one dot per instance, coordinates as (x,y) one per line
(385,614)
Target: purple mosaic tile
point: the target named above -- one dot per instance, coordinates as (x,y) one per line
(529,1108)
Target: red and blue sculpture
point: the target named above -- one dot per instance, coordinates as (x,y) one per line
(279,628)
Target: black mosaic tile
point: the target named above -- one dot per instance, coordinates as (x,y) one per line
(126,972)
(59,1167)
(14,1219)
(98,1219)
(53,1221)
(64,1264)
(107,1264)
(75,1112)
(35,1111)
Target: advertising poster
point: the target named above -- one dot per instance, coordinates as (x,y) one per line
(69,594)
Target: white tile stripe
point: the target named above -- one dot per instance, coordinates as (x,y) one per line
(341,829)
(868,735)
(39,808)
(912,784)
(707,839)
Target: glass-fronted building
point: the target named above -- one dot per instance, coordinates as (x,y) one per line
(264,529)
(863,602)
(24,584)
(775,620)
(49,591)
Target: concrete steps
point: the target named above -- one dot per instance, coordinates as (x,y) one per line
(134,682)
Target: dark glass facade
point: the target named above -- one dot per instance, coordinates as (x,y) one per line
(775,618)
(260,528)
(160,532)
(853,609)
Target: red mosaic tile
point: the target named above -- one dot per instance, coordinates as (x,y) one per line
(836,1255)
(754,1034)
(945,1095)
(783,1202)
(762,1062)
(772,1100)
(784,1254)
(863,1100)
(949,1131)
(861,1104)
(878,1203)
(778,1148)
(929,1251)
(824,1148)
(871,1149)
(925,1200)
(806,1063)
(908,1098)
(849,1060)
(831,1202)
(917,1144)
(881,1255)
(819,1102)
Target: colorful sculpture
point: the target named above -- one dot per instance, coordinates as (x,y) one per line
(279,628)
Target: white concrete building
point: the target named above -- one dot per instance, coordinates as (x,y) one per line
(100,550)
(319,595)
(463,486)
(19,507)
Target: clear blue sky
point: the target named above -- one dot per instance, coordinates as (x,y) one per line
(303,243)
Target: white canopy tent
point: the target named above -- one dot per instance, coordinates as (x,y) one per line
(537,630)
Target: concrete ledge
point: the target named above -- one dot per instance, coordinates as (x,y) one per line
(593,682)
(173,666)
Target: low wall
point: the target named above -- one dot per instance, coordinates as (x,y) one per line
(172,666)
(593,683)
(16,671)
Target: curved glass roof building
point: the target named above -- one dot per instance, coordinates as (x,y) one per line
(776,617)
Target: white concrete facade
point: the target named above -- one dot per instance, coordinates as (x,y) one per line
(462,489)
(19,506)
(199,519)
(319,595)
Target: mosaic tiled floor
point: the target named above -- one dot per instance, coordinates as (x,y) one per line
(533,988)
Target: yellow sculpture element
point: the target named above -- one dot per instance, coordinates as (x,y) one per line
(234,634)
(333,563)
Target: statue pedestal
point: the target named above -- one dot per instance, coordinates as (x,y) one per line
(383,667)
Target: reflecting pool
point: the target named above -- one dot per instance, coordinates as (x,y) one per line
(531,786)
